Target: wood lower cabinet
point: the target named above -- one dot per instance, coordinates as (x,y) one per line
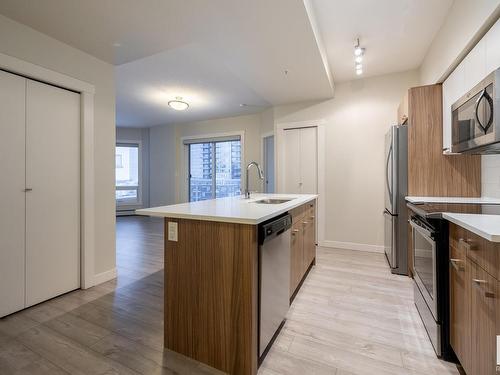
(296,257)
(474,303)
(459,311)
(483,303)
(303,243)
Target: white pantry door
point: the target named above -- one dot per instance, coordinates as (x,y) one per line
(291,160)
(12,172)
(300,161)
(53,204)
(309,160)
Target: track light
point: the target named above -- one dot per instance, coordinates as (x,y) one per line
(358,57)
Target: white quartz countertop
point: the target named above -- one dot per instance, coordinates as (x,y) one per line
(479,200)
(230,210)
(486,226)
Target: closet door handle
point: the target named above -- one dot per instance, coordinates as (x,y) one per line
(28,190)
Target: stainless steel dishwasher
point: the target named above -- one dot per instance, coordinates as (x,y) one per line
(274,278)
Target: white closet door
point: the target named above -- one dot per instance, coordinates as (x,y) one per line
(12,196)
(291,161)
(53,205)
(308,161)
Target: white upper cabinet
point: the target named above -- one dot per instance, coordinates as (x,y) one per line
(452,91)
(481,61)
(475,65)
(492,40)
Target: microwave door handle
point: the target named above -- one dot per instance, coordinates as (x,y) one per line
(484,95)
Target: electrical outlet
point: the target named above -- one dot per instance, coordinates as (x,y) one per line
(172,231)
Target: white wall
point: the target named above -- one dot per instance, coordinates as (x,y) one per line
(139,135)
(356,122)
(29,45)
(466,21)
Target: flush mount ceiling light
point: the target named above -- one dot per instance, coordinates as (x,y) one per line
(359,52)
(178,104)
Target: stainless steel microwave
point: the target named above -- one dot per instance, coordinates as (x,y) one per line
(475,118)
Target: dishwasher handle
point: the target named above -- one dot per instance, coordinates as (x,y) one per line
(274,228)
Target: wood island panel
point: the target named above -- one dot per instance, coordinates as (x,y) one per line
(211,291)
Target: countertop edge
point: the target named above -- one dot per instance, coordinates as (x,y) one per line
(225,219)
(474,229)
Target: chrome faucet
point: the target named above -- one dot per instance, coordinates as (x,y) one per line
(261,176)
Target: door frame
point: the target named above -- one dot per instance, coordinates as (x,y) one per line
(280,129)
(184,160)
(87,164)
(263,136)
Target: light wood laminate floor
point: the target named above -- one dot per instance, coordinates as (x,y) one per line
(352,316)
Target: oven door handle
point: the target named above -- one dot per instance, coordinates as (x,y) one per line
(427,233)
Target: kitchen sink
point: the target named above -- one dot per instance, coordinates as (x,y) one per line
(272,201)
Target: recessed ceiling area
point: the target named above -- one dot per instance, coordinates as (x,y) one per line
(217,55)
(144,87)
(395,33)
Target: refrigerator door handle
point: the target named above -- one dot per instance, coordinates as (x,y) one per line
(387,172)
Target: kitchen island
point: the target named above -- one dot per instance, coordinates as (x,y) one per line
(212,273)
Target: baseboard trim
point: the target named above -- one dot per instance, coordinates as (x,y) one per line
(353,246)
(104,276)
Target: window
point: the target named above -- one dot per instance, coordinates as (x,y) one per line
(214,169)
(127,171)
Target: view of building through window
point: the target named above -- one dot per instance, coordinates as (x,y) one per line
(222,157)
(127,173)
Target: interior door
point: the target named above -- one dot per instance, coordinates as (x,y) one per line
(292,161)
(308,161)
(12,171)
(53,204)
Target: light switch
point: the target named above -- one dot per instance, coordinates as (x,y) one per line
(172,231)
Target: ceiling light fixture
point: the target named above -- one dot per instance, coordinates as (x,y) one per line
(358,57)
(178,104)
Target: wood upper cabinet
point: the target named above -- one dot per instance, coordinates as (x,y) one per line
(430,173)
(483,321)
(459,311)
(303,243)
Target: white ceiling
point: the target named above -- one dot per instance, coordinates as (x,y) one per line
(219,54)
(395,33)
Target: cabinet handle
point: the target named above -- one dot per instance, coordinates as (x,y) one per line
(305,222)
(457,264)
(312,217)
(294,231)
(483,282)
(468,244)
(27,190)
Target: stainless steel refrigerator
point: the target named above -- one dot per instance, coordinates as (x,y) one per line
(396,188)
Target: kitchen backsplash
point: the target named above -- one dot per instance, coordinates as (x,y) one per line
(490,176)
